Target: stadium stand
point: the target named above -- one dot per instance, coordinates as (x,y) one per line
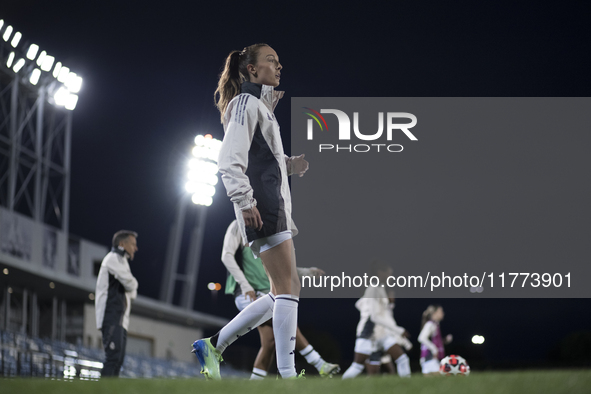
(25,356)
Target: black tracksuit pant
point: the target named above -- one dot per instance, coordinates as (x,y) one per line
(114,342)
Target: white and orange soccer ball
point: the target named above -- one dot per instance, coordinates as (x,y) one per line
(454,365)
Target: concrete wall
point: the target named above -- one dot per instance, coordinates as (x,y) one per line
(45,251)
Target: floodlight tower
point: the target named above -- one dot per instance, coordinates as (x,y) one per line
(35,138)
(200,188)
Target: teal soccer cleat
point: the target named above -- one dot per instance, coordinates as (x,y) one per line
(209,358)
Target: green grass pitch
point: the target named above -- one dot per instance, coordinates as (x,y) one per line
(551,381)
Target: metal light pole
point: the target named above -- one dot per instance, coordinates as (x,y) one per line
(202,178)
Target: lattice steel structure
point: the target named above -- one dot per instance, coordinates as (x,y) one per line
(178,277)
(35,132)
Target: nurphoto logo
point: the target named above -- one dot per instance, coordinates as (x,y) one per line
(344,130)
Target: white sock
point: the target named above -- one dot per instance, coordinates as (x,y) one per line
(312,357)
(250,318)
(403,366)
(285,324)
(353,371)
(258,374)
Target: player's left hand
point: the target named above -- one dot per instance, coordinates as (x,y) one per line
(250,295)
(317,271)
(252,218)
(299,165)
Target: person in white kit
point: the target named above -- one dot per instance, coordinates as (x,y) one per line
(380,360)
(254,171)
(116,287)
(377,331)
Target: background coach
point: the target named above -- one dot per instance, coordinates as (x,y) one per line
(115,288)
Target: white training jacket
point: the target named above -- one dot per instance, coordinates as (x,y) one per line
(253,165)
(116,287)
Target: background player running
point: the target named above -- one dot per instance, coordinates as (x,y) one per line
(377,331)
(432,344)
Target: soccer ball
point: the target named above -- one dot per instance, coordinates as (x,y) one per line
(454,365)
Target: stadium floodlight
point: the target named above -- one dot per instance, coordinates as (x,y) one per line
(10,60)
(207,147)
(18,65)
(203,169)
(56,69)
(201,200)
(71,101)
(32,52)
(61,96)
(16,39)
(47,63)
(202,166)
(478,339)
(63,74)
(73,82)
(41,58)
(196,177)
(211,286)
(7,33)
(1,23)
(204,190)
(35,76)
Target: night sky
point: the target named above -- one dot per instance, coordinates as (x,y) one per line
(150,70)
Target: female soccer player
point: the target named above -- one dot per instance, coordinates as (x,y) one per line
(377,331)
(254,171)
(248,281)
(432,350)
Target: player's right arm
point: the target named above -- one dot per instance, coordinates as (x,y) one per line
(232,241)
(241,122)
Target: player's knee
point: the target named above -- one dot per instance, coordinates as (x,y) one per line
(268,343)
(395,351)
